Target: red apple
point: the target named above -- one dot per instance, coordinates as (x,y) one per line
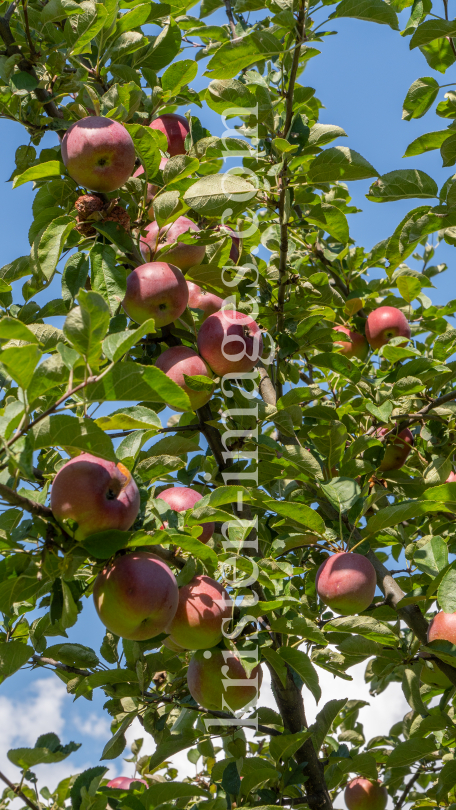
(181,255)
(136,596)
(356,346)
(124,782)
(197,623)
(180,360)
(176,128)
(451,478)
(182,498)
(96,494)
(443,626)
(362,794)
(98,153)
(207,671)
(156,290)
(200,299)
(385,323)
(398,451)
(230,342)
(346,582)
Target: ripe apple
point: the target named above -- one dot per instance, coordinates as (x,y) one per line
(362,794)
(136,596)
(396,453)
(385,323)
(443,626)
(346,582)
(124,782)
(197,623)
(230,342)
(181,255)
(207,671)
(200,299)
(179,499)
(176,128)
(98,153)
(180,360)
(156,290)
(451,478)
(96,494)
(356,346)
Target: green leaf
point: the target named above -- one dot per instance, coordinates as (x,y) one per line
(63,430)
(43,171)
(393,515)
(212,195)
(432,29)
(178,75)
(90,780)
(73,655)
(107,276)
(235,55)
(427,142)
(41,754)
(20,362)
(87,324)
(52,243)
(324,720)
(321,134)
(88,25)
(337,363)
(148,143)
(330,441)
(226,93)
(137,417)
(339,163)
(131,382)
(448,151)
(365,626)
(406,753)
(285,746)
(301,663)
(404,184)
(165,47)
(408,287)
(172,745)
(276,662)
(372,10)
(115,746)
(119,343)
(132,19)
(163,792)
(446,593)
(420,97)
(432,557)
(342,493)
(439,54)
(13,656)
(298,512)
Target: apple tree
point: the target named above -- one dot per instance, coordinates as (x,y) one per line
(239,444)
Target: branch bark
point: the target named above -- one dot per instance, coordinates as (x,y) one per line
(19,792)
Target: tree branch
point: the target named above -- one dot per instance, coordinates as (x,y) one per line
(402,798)
(272,732)
(14,499)
(19,792)
(409,420)
(38,659)
(229,14)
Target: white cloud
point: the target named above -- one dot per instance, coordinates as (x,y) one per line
(94,726)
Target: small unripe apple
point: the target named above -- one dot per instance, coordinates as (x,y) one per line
(207,671)
(362,794)
(356,346)
(230,341)
(179,499)
(136,596)
(96,494)
(180,360)
(346,582)
(385,323)
(197,623)
(156,290)
(176,129)
(98,153)
(451,478)
(398,451)
(200,299)
(181,255)
(124,782)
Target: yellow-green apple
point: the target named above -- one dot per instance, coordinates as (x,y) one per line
(181,255)
(451,478)
(176,128)
(124,782)
(171,645)
(98,153)
(200,299)
(179,499)
(95,494)
(230,341)
(346,582)
(197,623)
(364,794)
(207,671)
(136,596)
(355,346)
(385,323)
(155,290)
(398,451)
(180,360)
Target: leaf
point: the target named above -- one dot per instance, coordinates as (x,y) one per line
(427,142)
(446,593)
(276,662)
(178,75)
(20,362)
(302,459)
(301,663)
(41,754)
(411,690)
(365,626)
(298,512)
(285,746)
(299,626)
(235,55)
(432,29)
(324,720)
(214,194)
(408,287)
(172,745)
(90,780)
(448,151)
(165,47)
(73,655)
(88,25)
(63,430)
(86,325)
(406,753)
(392,515)
(432,557)
(372,10)
(420,97)
(324,133)
(337,363)
(231,781)
(107,276)
(53,168)
(437,471)
(13,656)
(163,792)
(115,746)
(137,417)
(342,493)
(129,381)
(119,343)
(403,184)
(339,163)
(148,143)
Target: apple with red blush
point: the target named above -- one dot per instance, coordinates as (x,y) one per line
(198,621)
(397,452)
(98,153)
(207,671)
(207,302)
(156,290)
(365,794)
(176,129)
(180,255)
(386,323)
(230,342)
(355,346)
(178,362)
(346,583)
(179,499)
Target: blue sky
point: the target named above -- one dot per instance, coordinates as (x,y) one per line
(361,78)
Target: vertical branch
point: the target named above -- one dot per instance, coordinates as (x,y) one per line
(229,14)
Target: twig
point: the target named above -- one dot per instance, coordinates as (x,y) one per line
(229,14)
(409,420)
(272,732)
(19,792)
(401,800)
(38,659)
(14,499)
